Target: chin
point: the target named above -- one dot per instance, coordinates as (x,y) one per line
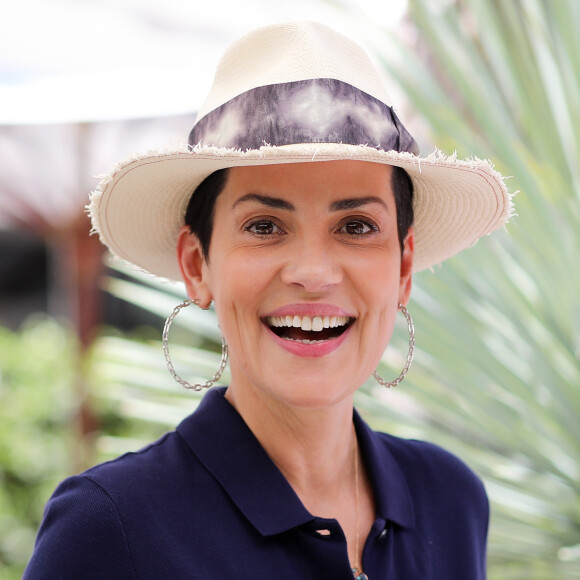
(315,395)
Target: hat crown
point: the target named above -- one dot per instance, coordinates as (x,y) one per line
(298,83)
(284,53)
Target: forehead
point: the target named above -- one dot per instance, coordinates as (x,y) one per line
(313,180)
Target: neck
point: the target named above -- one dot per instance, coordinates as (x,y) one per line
(316,451)
(313,448)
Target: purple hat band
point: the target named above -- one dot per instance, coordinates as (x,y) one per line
(307,111)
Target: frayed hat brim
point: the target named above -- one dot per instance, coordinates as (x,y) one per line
(138,209)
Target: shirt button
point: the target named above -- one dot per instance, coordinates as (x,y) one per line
(383,534)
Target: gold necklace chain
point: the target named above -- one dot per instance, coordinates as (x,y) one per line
(357,570)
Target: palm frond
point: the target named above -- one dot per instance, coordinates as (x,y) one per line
(497,375)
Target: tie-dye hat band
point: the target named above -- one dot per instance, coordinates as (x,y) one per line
(308,111)
(293,93)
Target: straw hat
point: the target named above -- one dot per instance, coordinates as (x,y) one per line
(293,93)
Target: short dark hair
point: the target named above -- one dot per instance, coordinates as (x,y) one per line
(199,215)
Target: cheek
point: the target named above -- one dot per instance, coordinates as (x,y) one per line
(378,275)
(239,285)
(377,281)
(238,273)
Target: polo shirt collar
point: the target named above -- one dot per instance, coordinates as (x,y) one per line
(228,449)
(393,499)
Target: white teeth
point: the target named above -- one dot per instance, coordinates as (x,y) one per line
(309,323)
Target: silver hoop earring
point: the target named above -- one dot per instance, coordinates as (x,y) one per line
(165,341)
(410,354)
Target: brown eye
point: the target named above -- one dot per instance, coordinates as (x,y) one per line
(358,228)
(263,228)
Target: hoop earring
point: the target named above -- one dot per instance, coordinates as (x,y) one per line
(410,354)
(165,341)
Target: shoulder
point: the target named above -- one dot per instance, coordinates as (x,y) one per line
(153,462)
(427,458)
(94,523)
(136,483)
(80,513)
(434,474)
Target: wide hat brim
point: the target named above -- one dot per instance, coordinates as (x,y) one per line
(139,208)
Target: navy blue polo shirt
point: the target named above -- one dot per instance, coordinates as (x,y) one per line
(206,501)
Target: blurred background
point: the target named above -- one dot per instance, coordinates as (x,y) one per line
(84,83)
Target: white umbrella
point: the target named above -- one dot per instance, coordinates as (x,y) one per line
(64,61)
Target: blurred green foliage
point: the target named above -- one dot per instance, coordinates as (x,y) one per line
(498,373)
(38,366)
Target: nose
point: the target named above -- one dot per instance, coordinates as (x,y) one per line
(312,265)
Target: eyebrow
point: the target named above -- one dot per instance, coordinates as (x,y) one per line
(355,202)
(274,202)
(340,205)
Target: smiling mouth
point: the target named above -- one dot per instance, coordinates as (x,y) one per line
(308,329)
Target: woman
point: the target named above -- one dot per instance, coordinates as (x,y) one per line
(310,213)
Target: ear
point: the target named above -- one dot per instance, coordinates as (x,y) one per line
(193,266)
(406,279)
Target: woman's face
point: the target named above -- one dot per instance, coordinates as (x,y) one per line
(305,271)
